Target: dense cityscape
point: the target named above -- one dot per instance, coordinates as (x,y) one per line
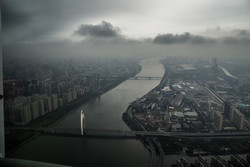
(163,83)
(39,95)
(193,97)
(202,97)
(43,88)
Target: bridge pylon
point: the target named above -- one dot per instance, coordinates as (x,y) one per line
(82,122)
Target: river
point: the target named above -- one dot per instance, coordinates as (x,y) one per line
(104,112)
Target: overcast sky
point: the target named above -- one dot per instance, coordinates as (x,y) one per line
(125,23)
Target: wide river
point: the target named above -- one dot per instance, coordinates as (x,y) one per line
(104,112)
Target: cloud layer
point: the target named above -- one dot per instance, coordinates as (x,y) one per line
(105,29)
(182,38)
(52,28)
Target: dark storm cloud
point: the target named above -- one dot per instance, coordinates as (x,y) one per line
(182,38)
(38,20)
(105,29)
(244,32)
(235,40)
(237,36)
(12,17)
(27,20)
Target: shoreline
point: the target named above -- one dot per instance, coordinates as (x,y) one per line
(151,144)
(134,124)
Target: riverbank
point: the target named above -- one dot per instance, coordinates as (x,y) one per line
(152,144)
(15,139)
(184,147)
(128,115)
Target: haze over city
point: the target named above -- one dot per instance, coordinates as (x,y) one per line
(126,28)
(161,83)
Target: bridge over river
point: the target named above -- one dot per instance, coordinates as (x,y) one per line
(125,133)
(145,78)
(148,138)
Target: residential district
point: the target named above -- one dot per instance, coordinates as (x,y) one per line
(33,90)
(38,93)
(197,96)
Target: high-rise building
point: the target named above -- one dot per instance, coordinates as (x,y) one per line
(46,89)
(60,102)
(67,96)
(41,107)
(49,104)
(227,107)
(231,113)
(167,118)
(60,89)
(34,97)
(214,62)
(238,119)
(74,94)
(26,114)
(54,101)
(34,110)
(218,120)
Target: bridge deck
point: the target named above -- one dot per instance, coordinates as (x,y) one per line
(122,133)
(145,78)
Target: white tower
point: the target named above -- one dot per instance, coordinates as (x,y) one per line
(82,122)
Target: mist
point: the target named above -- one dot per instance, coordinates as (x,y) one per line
(121,48)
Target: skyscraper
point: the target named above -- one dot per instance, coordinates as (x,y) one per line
(238,118)
(227,107)
(218,120)
(54,101)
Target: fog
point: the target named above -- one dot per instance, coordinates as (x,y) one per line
(131,29)
(123,48)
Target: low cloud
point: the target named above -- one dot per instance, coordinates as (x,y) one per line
(236,40)
(237,36)
(182,38)
(105,29)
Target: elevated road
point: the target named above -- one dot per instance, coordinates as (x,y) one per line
(124,133)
